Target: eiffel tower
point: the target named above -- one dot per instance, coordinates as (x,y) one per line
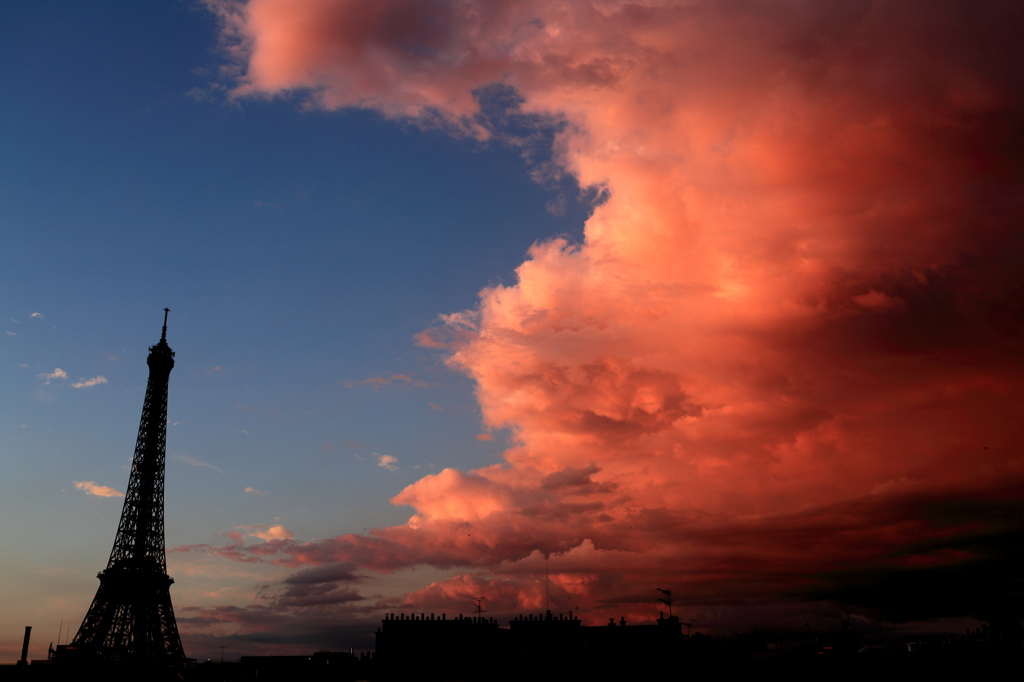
(131,619)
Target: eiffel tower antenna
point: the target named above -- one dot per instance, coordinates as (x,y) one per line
(131,618)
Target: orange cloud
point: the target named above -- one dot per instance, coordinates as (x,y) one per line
(801,290)
(277,532)
(94,488)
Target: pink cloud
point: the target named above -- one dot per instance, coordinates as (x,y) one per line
(277,532)
(802,289)
(93,488)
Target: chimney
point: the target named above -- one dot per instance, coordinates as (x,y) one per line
(24,646)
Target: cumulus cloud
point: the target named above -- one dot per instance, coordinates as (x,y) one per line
(93,488)
(89,383)
(802,284)
(57,373)
(37,316)
(277,532)
(253,491)
(389,462)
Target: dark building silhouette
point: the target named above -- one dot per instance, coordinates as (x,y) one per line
(531,647)
(131,619)
(336,666)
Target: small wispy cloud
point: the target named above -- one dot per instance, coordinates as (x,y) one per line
(388,462)
(94,488)
(9,333)
(254,491)
(435,406)
(37,316)
(484,436)
(201,94)
(197,463)
(57,373)
(89,383)
(384,381)
(267,204)
(557,205)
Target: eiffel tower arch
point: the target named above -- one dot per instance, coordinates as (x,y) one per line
(131,618)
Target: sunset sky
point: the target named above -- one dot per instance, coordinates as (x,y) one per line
(723,297)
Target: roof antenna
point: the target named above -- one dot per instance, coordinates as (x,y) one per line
(478,602)
(163,335)
(547,592)
(667,600)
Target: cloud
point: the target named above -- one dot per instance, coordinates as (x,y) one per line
(801,284)
(270,629)
(317,595)
(484,436)
(385,381)
(272,533)
(37,316)
(57,373)
(93,488)
(196,463)
(254,491)
(329,573)
(10,333)
(89,383)
(388,462)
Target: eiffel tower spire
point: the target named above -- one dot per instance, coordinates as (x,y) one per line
(131,618)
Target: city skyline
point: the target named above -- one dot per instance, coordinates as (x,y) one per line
(541,302)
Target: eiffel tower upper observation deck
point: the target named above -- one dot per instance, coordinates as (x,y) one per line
(131,618)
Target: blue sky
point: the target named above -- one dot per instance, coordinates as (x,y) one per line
(297,250)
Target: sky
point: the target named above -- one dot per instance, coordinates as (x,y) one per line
(716,297)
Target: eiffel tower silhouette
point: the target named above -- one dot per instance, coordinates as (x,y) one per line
(131,618)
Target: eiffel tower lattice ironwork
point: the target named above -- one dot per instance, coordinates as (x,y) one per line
(131,618)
